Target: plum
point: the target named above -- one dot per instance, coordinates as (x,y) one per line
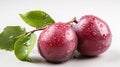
(94,35)
(57,43)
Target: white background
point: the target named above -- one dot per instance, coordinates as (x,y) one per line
(63,10)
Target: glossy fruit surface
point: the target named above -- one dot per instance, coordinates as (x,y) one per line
(57,43)
(94,35)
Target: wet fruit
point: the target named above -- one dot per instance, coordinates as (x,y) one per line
(57,43)
(94,35)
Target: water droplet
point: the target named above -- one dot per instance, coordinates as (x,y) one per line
(93,26)
(83,25)
(46,16)
(24,43)
(103,43)
(28,43)
(47,31)
(68,51)
(67,56)
(98,22)
(68,33)
(63,26)
(51,45)
(98,51)
(54,38)
(26,51)
(11,37)
(100,47)
(101,25)
(58,40)
(73,40)
(88,28)
(56,25)
(104,36)
(94,33)
(88,25)
(63,36)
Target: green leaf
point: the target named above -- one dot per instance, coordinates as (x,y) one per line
(9,36)
(37,18)
(24,45)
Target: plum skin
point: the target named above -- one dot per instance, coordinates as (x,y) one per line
(57,43)
(94,35)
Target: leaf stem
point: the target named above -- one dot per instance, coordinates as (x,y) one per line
(71,22)
(36,30)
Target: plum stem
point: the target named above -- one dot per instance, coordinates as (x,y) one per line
(73,21)
(36,30)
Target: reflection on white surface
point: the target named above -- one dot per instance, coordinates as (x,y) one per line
(63,10)
(110,58)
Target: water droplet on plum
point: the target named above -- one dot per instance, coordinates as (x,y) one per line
(93,36)
(56,47)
